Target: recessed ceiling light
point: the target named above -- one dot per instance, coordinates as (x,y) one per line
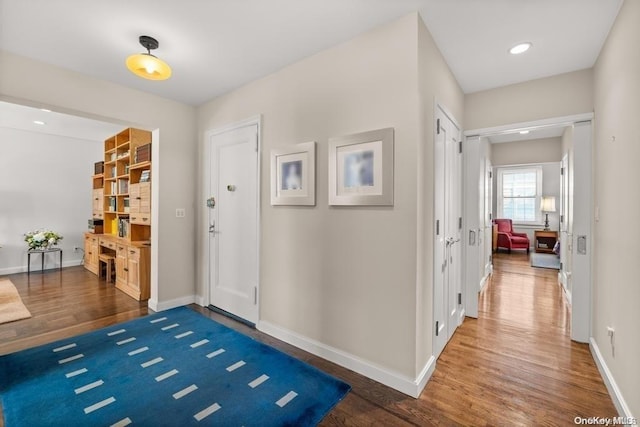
(520,48)
(39,122)
(524,132)
(45,110)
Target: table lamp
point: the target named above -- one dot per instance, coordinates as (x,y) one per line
(548,204)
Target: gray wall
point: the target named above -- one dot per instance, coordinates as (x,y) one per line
(556,96)
(45,182)
(616,266)
(356,270)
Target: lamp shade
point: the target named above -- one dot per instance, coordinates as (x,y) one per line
(548,204)
(148,66)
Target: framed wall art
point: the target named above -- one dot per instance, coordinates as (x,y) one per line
(361,169)
(293,175)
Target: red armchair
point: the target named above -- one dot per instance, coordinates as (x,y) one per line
(508,239)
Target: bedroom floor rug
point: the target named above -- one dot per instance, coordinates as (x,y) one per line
(545,261)
(173,368)
(11,306)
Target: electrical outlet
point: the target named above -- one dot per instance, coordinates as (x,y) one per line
(610,331)
(180,213)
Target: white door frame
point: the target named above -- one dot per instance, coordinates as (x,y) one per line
(205,269)
(582,293)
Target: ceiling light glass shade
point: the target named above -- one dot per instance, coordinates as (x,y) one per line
(520,48)
(524,132)
(148,67)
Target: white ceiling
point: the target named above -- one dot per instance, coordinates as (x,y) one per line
(217,45)
(537,133)
(21,117)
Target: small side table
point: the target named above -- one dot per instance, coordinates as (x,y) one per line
(41,252)
(544,241)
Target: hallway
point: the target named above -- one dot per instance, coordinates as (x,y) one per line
(516,364)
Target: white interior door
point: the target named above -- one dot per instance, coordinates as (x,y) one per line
(474,205)
(566,245)
(580,225)
(447,244)
(233,222)
(453,222)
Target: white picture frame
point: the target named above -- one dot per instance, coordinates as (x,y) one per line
(361,169)
(293,175)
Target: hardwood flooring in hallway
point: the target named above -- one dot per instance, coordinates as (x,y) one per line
(515,365)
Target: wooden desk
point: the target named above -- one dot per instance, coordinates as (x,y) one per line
(544,241)
(132,259)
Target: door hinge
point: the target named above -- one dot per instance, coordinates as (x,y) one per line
(460,146)
(490,216)
(256,146)
(561,171)
(459,298)
(490,174)
(438,126)
(437,327)
(561,218)
(561,265)
(255,295)
(459,223)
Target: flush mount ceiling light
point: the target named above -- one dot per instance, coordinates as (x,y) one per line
(146,65)
(524,132)
(39,122)
(520,48)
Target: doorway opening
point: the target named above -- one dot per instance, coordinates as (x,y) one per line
(569,182)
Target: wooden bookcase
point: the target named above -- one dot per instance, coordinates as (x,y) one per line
(122,199)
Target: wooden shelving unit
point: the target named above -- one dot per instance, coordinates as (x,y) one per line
(545,240)
(122,198)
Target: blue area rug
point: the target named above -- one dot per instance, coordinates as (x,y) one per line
(174,368)
(545,261)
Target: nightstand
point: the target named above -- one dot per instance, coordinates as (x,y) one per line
(544,241)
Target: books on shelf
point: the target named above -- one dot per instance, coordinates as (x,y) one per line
(123,227)
(113,188)
(112,204)
(123,186)
(126,204)
(145,175)
(143,153)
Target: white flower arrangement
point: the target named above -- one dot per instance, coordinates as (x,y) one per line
(41,239)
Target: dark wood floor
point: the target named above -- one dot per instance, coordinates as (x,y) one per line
(515,365)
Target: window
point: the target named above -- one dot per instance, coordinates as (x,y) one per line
(519,193)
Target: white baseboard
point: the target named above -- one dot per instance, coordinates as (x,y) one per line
(200,301)
(395,380)
(35,267)
(156,305)
(562,277)
(609,381)
(483,283)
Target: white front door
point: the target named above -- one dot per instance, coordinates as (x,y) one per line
(448,229)
(233,222)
